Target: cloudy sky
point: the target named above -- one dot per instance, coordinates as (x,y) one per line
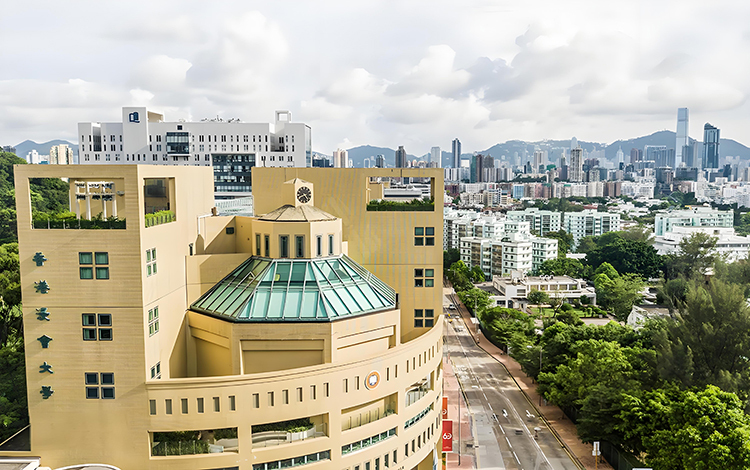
(387,73)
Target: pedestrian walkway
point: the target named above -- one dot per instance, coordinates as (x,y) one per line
(453,392)
(553,415)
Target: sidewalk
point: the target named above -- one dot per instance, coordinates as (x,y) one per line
(452,391)
(556,419)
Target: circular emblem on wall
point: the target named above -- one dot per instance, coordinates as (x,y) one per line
(372,380)
(304,194)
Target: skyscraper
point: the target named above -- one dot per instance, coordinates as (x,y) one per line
(575,170)
(380,161)
(340,158)
(683,137)
(636,155)
(400,157)
(456,153)
(540,160)
(710,146)
(435,157)
(60,155)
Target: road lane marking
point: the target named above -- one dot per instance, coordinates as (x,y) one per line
(509,444)
(514,455)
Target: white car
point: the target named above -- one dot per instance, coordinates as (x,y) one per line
(451,307)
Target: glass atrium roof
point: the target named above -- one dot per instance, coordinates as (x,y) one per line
(307,290)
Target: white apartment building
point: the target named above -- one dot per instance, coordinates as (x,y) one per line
(458,224)
(694,216)
(60,155)
(540,221)
(232,147)
(520,252)
(590,223)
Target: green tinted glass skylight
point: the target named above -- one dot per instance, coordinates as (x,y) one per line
(296,290)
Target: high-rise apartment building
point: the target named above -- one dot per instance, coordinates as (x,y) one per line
(60,155)
(540,160)
(436,157)
(380,161)
(401,157)
(683,136)
(636,155)
(541,221)
(196,341)
(710,146)
(694,216)
(340,158)
(456,153)
(231,147)
(590,223)
(575,169)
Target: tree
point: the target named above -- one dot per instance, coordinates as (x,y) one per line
(13,408)
(537,298)
(704,429)
(476,300)
(561,267)
(586,245)
(10,274)
(450,256)
(564,241)
(708,342)
(460,276)
(697,253)
(627,256)
(618,294)
(477,275)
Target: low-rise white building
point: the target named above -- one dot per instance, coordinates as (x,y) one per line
(514,289)
(728,244)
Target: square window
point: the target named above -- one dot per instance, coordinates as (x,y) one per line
(105,334)
(88,319)
(92,378)
(102,258)
(418,313)
(429,283)
(418,282)
(230,230)
(418,272)
(418,323)
(86,273)
(108,378)
(429,313)
(89,334)
(429,231)
(105,319)
(429,273)
(92,392)
(418,241)
(85,258)
(418,230)
(430,241)
(101,273)
(429,322)
(108,393)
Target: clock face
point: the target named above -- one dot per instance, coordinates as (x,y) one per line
(304,194)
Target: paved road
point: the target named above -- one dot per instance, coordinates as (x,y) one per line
(505,422)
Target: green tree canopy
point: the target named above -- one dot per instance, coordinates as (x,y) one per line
(561,267)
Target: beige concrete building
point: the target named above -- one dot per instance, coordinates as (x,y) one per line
(171,338)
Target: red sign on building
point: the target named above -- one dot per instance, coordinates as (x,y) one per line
(447,435)
(445,407)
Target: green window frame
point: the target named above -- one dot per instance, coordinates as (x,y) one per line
(86,273)
(85,258)
(102,272)
(101,257)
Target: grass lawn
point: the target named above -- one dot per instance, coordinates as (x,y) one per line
(548,312)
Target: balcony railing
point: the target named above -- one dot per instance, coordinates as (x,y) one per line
(158,218)
(277,438)
(360,419)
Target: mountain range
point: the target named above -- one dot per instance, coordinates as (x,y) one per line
(501,151)
(43,149)
(505,151)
